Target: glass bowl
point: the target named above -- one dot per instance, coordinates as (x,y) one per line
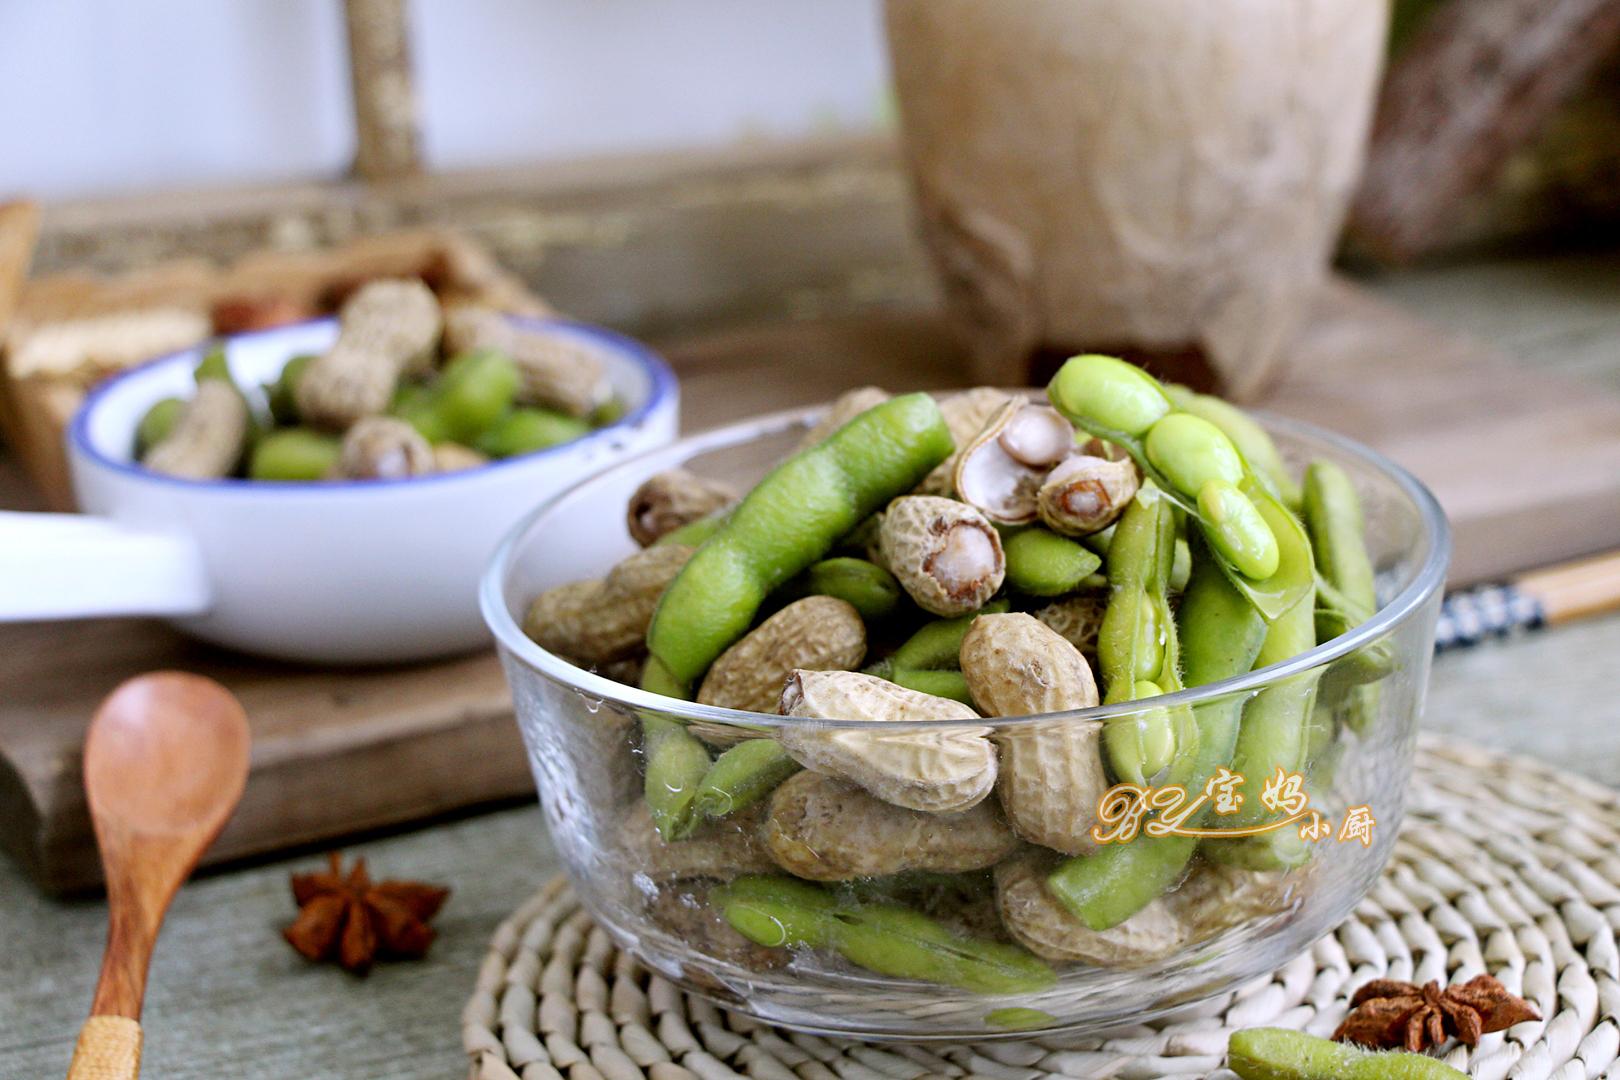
(1342,807)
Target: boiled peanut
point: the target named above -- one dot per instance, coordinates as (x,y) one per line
(846,407)
(1086,494)
(454,457)
(1215,897)
(725,850)
(384,448)
(944,553)
(827,829)
(207,439)
(387,329)
(554,370)
(1038,922)
(934,771)
(665,501)
(1000,470)
(596,622)
(965,414)
(1052,773)
(684,911)
(1077,619)
(818,633)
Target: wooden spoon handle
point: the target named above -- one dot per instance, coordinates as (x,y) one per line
(109,1048)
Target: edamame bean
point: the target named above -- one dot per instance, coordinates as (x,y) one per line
(1237,529)
(1192,452)
(1107,396)
(295,454)
(865,586)
(157,423)
(1042,563)
(742,776)
(1282,1054)
(523,431)
(476,390)
(790,520)
(282,394)
(1249,437)
(781,912)
(676,763)
(1142,746)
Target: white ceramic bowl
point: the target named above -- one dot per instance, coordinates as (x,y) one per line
(327,573)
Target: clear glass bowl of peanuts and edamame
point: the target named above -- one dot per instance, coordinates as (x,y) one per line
(975,717)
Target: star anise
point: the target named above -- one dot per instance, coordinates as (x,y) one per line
(348,918)
(1387,1013)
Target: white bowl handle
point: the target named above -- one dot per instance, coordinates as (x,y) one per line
(71,566)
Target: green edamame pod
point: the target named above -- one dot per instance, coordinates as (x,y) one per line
(1249,437)
(865,586)
(790,520)
(1104,394)
(295,454)
(213,365)
(742,776)
(282,395)
(886,938)
(476,390)
(945,684)
(1284,1054)
(523,431)
(1348,593)
(1223,634)
(157,423)
(676,763)
(1042,563)
(1194,451)
(695,533)
(610,411)
(937,645)
(1142,746)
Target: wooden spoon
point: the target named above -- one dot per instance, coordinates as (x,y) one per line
(164,765)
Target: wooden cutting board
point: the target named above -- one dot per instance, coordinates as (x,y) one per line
(1528,467)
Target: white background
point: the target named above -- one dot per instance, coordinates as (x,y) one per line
(108,96)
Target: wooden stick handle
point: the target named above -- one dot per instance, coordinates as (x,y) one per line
(109,1048)
(1574,590)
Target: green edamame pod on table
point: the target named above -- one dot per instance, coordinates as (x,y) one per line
(864,585)
(791,519)
(158,422)
(295,454)
(1042,563)
(523,431)
(1284,1054)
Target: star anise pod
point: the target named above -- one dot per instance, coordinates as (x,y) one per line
(1387,1013)
(351,919)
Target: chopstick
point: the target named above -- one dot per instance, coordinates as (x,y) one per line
(1547,597)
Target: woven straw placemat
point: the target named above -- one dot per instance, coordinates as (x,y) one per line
(1502,866)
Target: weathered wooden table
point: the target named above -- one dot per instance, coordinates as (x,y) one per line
(228,997)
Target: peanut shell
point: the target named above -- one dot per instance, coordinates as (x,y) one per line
(387,328)
(1077,619)
(598,622)
(993,480)
(384,448)
(818,633)
(827,829)
(945,554)
(965,415)
(207,440)
(1086,494)
(1043,926)
(1052,774)
(937,771)
(668,500)
(727,849)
